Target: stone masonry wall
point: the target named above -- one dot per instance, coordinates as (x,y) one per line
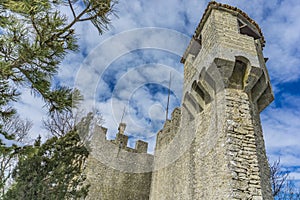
(171,178)
(211,165)
(111,184)
(117,172)
(244,147)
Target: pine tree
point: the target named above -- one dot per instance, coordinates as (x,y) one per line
(34,39)
(53,170)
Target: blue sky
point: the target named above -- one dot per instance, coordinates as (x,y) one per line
(129,65)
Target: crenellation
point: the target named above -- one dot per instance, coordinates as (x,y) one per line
(121,141)
(100,130)
(141,146)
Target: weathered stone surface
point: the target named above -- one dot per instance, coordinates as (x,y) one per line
(115,171)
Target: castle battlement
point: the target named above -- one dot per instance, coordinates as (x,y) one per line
(121,140)
(166,135)
(118,171)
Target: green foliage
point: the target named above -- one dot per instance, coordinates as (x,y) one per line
(8,153)
(52,170)
(34,39)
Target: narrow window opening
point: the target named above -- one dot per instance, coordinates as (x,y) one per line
(199,39)
(196,45)
(245,29)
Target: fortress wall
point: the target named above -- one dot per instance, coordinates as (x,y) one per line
(212,176)
(167,185)
(108,183)
(172,175)
(117,172)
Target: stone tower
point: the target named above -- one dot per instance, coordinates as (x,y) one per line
(217,150)
(212,147)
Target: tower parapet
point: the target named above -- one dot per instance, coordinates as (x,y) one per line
(228,39)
